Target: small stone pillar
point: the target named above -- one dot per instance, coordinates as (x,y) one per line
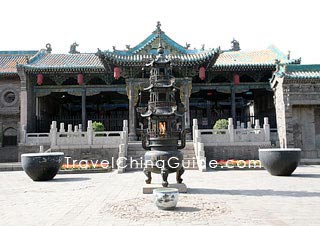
(125,126)
(238,124)
(90,132)
(197,135)
(201,160)
(69,128)
(242,125)
(194,128)
(200,150)
(122,159)
(257,124)
(69,131)
(125,132)
(249,125)
(231,129)
(76,129)
(53,133)
(62,128)
(124,140)
(266,128)
(80,128)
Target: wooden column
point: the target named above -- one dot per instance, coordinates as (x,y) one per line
(233,104)
(132,96)
(27,101)
(83,110)
(209,114)
(187,86)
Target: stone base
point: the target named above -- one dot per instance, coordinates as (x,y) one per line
(148,188)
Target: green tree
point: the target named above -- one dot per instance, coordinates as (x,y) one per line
(221,124)
(98,126)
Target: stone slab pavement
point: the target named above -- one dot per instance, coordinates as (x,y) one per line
(228,197)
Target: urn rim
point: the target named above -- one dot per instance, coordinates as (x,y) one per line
(42,154)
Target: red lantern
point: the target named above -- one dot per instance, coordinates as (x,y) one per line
(236,79)
(116,72)
(80,79)
(39,79)
(202,73)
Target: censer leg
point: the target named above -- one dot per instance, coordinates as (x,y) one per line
(179,173)
(164,174)
(148,174)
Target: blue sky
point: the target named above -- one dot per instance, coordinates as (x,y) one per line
(289,25)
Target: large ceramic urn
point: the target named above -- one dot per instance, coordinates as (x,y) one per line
(42,166)
(280,161)
(161,138)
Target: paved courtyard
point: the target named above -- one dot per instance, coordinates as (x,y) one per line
(229,197)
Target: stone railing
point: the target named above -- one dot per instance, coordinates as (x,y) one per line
(198,147)
(123,147)
(228,137)
(231,136)
(76,137)
(37,138)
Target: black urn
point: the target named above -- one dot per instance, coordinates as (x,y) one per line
(280,161)
(162,134)
(42,166)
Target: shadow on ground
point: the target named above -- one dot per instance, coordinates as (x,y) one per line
(69,179)
(306,175)
(186,209)
(263,192)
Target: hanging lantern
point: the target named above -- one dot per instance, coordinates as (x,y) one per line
(80,79)
(39,79)
(116,72)
(236,79)
(202,73)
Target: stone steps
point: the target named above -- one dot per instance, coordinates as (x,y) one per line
(12,166)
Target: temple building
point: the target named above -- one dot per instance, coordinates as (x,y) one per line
(38,87)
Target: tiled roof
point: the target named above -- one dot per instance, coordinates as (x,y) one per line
(141,60)
(65,62)
(251,59)
(145,46)
(311,71)
(10,59)
(144,52)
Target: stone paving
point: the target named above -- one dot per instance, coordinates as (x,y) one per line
(228,197)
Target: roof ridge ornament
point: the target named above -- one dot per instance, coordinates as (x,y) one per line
(73,48)
(160,47)
(235,45)
(158,27)
(48,47)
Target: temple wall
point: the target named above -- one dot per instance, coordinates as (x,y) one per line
(298,116)
(9,108)
(249,152)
